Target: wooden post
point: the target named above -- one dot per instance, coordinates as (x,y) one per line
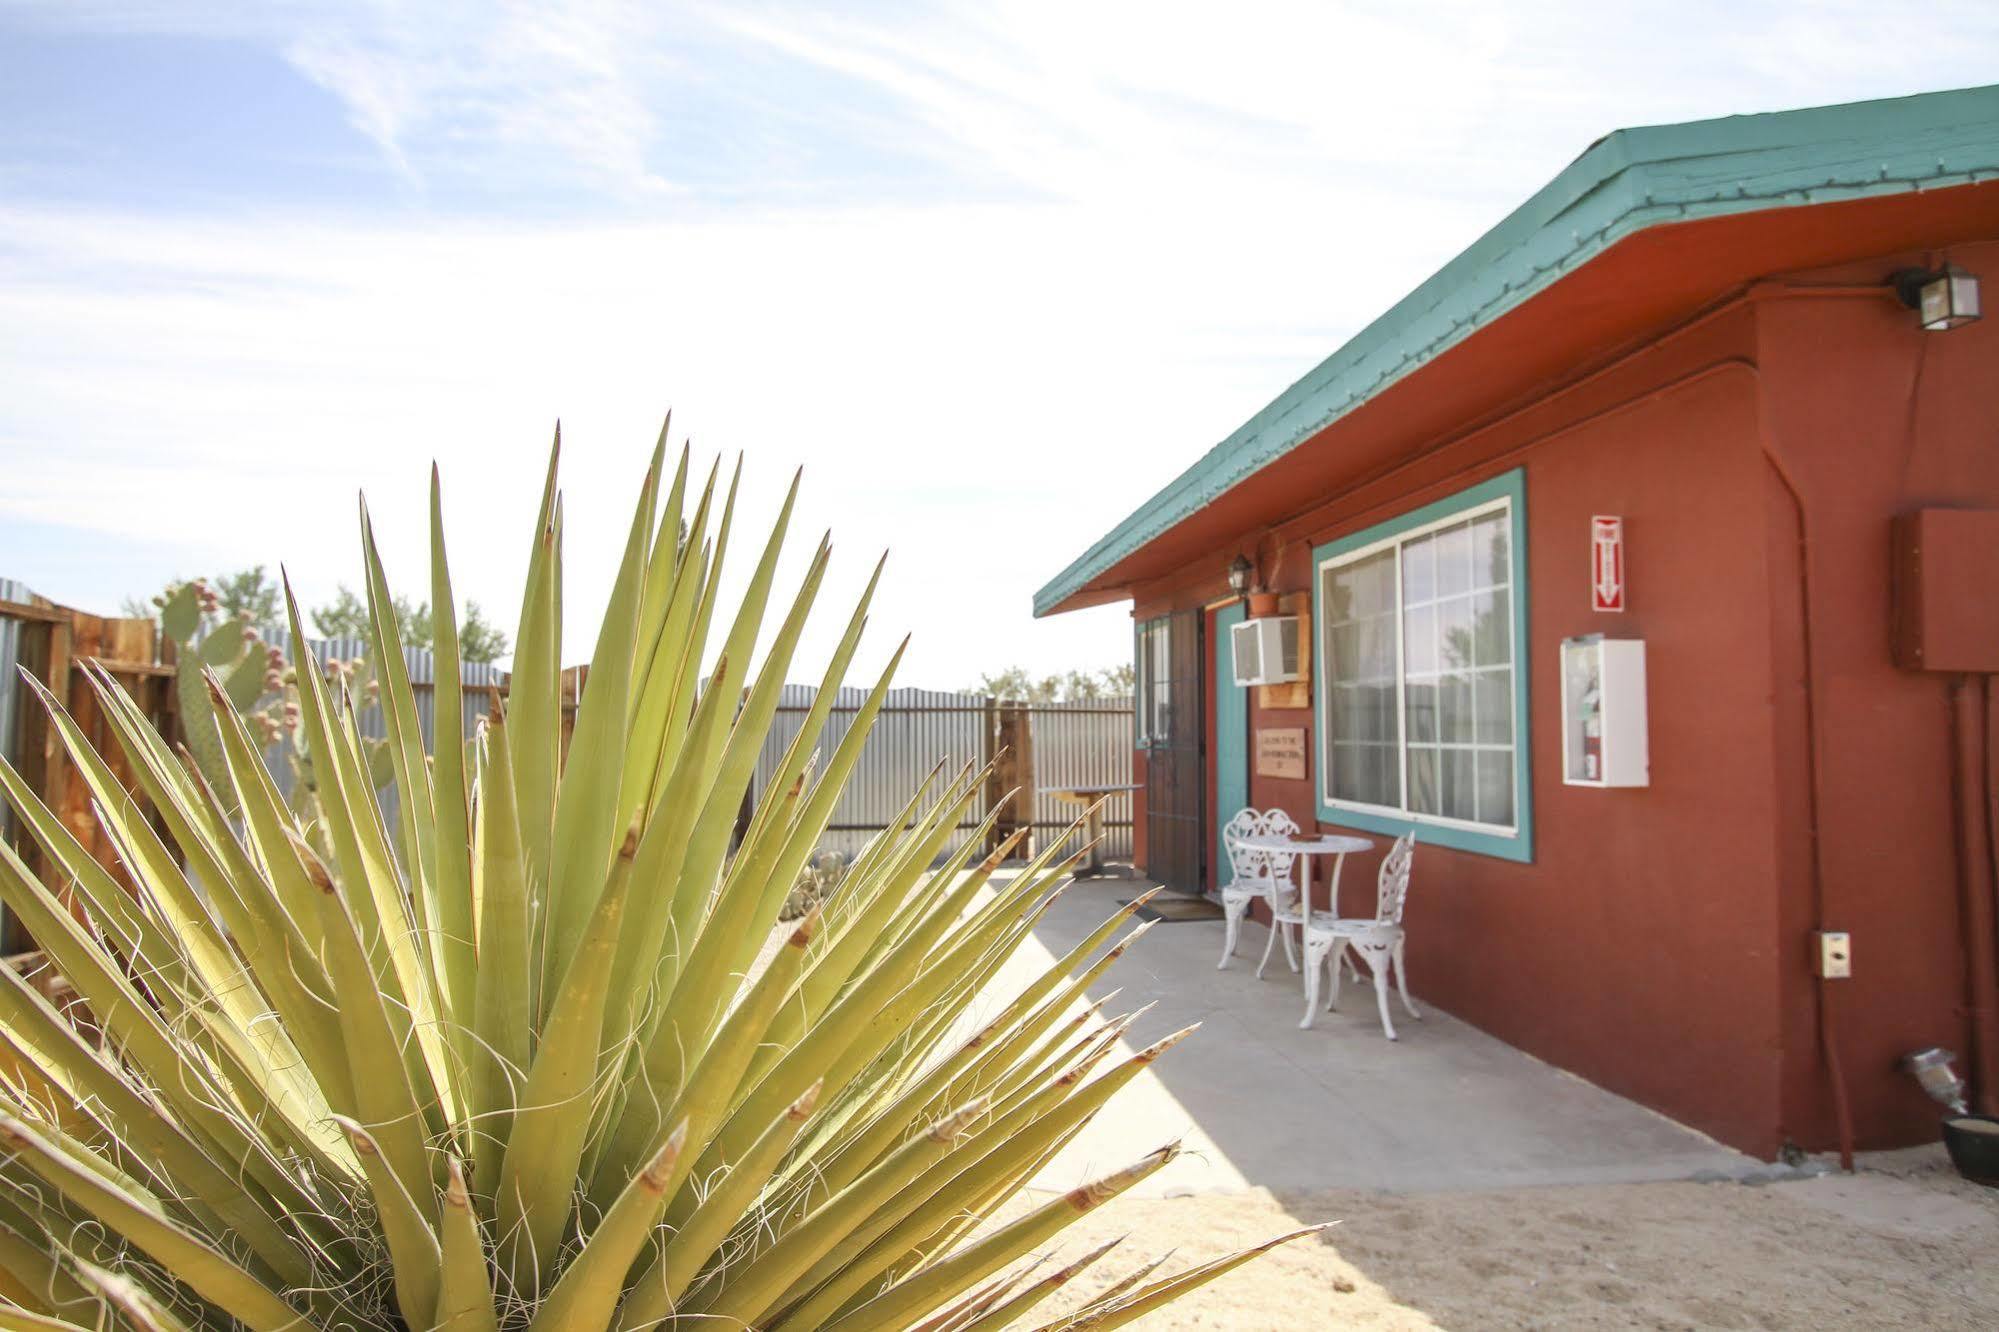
(1010,741)
(988,748)
(54,640)
(571,695)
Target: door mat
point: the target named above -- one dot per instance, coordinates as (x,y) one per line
(1177,907)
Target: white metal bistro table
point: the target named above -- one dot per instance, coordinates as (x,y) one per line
(1093,828)
(1306,846)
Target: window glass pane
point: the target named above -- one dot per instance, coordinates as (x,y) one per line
(1364,713)
(1495,786)
(1373,583)
(1345,654)
(1457,798)
(1388,775)
(1453,559)
(1419,571)
(1421,700)
(1492,693)
(1454,704)
(1454,647)
(1492,624)
(1346,783)
(1491,566)
(1345,718)
(1160,693)
(1142,684)
(1377,648)
(1423,779)
(1419,641)
(1381,714)
(1366,773)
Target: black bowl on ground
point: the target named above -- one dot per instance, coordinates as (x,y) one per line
(1973,1142)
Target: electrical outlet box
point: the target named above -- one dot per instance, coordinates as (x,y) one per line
(1835,956)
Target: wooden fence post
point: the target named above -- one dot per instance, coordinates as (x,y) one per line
(54,639)
(1010,747)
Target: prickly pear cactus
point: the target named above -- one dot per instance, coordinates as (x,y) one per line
(248,669)
(816,882)
(259,683)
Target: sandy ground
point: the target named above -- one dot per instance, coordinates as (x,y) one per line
(1902,1244)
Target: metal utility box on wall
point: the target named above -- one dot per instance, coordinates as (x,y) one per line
(1265,650)
(1946,612)
(1604,731)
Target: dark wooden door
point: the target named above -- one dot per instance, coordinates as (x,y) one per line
(1175,764)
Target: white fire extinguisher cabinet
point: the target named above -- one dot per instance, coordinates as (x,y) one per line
(1603,712)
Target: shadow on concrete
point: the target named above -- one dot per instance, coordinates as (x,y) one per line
(1263,1104)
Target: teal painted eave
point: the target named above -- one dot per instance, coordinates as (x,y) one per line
(1627,182)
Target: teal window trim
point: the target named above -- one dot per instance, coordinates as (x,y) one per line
(1519,845)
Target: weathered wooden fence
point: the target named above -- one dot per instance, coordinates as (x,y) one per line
(49,643)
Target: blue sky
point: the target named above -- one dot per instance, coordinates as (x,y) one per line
(992,272)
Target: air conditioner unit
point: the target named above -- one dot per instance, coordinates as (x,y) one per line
(1266,650)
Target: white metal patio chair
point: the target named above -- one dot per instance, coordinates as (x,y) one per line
(1287,907)
(1249,879)
(1245,878)
(1378,942)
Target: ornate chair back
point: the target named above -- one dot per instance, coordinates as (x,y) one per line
(1392,888)
(1245,866)
(1284,882)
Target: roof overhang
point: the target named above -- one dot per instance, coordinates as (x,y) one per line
(1645,228)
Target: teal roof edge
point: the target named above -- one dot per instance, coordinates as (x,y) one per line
(1626,182)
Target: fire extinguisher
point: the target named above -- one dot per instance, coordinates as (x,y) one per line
(1593,735)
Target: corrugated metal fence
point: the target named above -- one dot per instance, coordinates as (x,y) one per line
(916,729)
(1086,743)
(1074,744)
(481,681)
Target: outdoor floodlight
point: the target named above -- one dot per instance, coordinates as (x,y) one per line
(1946,297)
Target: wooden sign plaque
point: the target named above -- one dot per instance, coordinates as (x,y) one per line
(1280,752)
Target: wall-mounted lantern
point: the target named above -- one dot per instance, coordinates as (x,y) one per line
(1240,570)
(1946,297)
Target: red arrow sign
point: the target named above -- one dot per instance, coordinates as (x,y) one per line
(1606,541)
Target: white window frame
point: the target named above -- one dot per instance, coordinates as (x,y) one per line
(1516,651)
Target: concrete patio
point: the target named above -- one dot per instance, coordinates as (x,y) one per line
(1260,1103)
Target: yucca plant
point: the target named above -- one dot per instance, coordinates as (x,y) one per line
(514,1046)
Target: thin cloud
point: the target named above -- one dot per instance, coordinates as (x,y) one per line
(519,91)
(1050,254)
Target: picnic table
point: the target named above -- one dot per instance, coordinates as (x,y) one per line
(1091,796)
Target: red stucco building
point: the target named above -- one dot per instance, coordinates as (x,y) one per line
(1696,329)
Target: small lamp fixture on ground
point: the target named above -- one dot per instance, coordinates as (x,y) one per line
(1932,1068)
(1946,297)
